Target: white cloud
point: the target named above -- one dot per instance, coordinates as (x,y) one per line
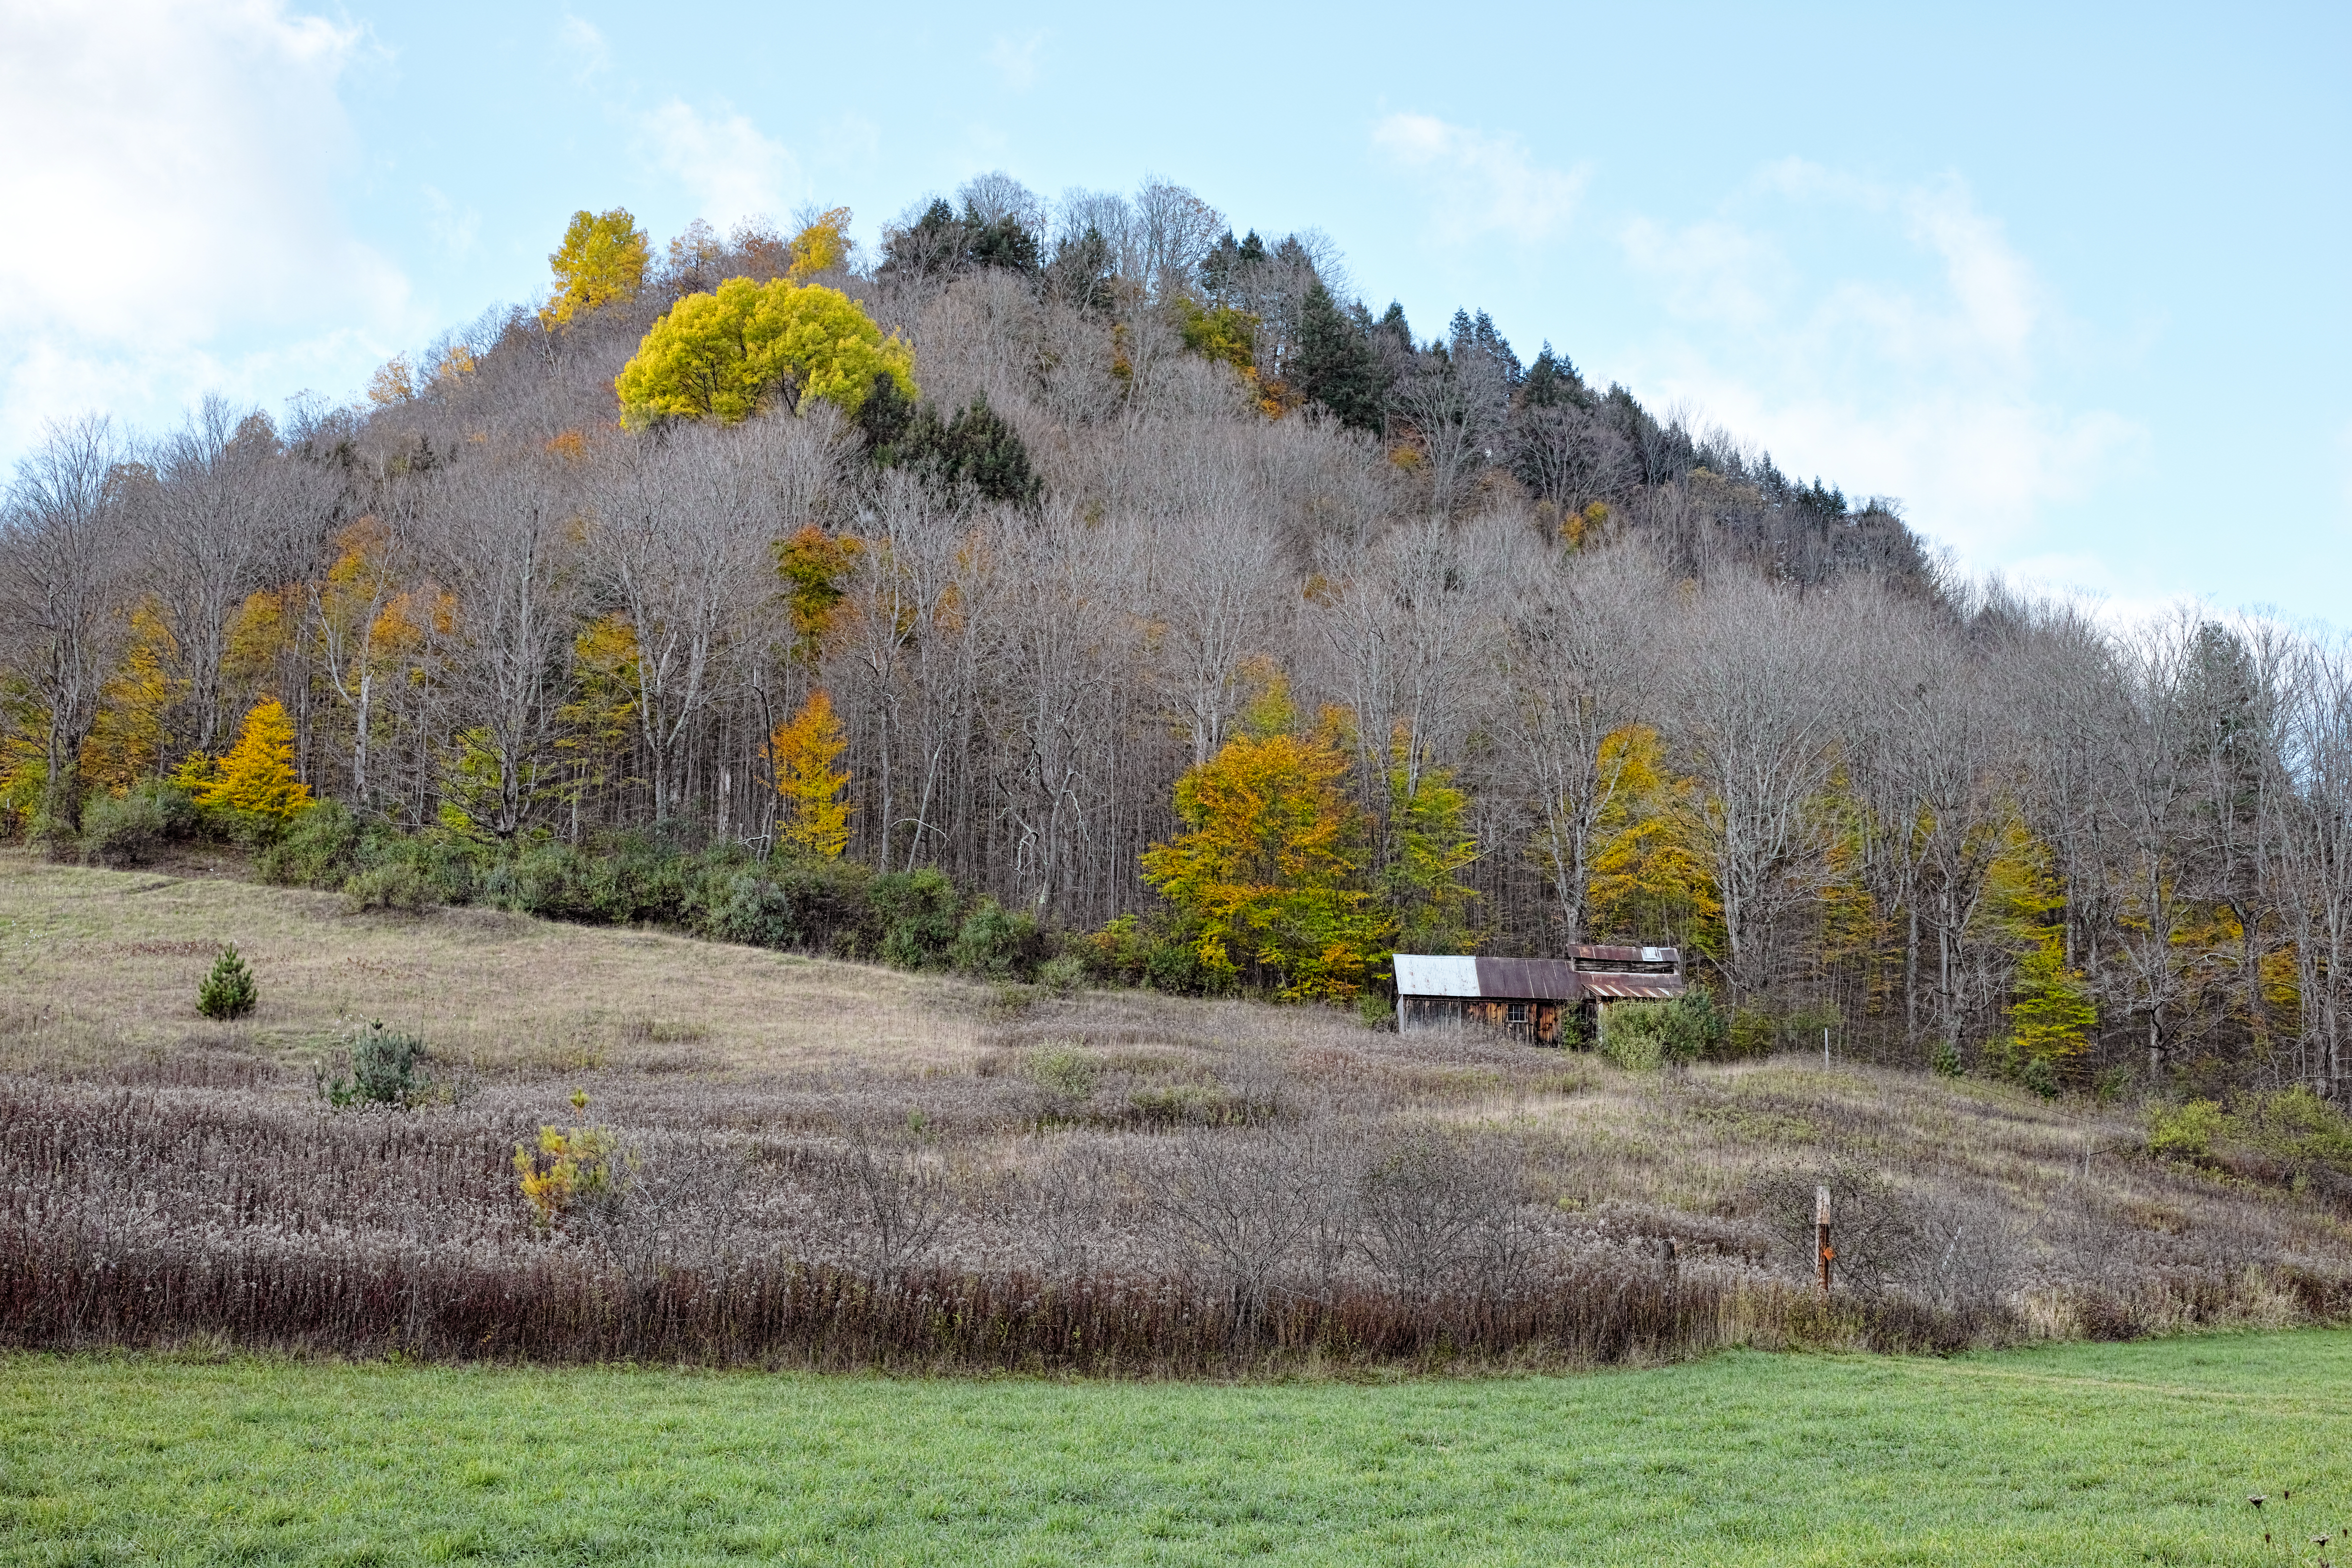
(586,45)
(453,230)
(171,180)
(730,169)
(1915,378)
(1481,183)
(1016,62)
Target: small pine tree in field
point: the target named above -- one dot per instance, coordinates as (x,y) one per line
(228,992)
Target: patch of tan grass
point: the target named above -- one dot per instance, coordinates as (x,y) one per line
(103,966)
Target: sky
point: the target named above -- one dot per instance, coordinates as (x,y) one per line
(2069,282)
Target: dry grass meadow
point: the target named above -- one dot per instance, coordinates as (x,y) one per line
(792,1161)
(103,969)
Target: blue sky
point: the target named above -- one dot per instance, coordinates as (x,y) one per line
(2071,282)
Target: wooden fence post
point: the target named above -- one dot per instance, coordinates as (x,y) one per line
(1821,1234)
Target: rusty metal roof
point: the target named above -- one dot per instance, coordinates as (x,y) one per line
(1533,979)
(1528,979)
(1620,987)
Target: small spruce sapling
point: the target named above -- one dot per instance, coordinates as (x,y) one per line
(385,1070)
(228,992)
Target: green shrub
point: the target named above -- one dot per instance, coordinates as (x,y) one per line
(1118,954)
(2296,1125)
(228,992)
(2040,1074)
(917,911)
(258,831)
(1064,1072)
(384,1069)
(320,851)
(1944,1059)
(2186,1132)
(1634,1034)
(1751,1032)
(397,885)
(1063,973)
(1173,964)
(995,943)
(1376,1011)
(1641,1035)
(125,829)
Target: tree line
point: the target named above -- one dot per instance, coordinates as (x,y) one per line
(1144,580)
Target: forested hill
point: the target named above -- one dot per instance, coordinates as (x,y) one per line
(1191,621)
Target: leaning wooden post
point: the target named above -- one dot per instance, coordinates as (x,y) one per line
(1821,1234)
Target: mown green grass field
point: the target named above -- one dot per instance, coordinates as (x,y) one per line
(2069,1455)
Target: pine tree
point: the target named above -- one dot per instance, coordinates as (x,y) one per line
(2052,1016)
(1334,365)
(802,753)
(229,991)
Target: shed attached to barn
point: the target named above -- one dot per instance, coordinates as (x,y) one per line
(1526,998)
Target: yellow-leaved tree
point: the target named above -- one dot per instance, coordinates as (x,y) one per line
(2052,1012)
(1428,848)
(1267,867)
(820,246)
(801,752)
(601,258)
(721,354)
(1650,881)
(257,775)
(598,722)
(127,738)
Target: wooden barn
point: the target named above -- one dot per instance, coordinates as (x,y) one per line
(1525,997)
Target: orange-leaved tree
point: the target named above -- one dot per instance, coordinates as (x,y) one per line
(257,775)
(1268,869)
(801,752)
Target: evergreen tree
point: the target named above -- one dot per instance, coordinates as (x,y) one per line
(1002,244)
(1081,273)
(1552,381)
(228,992)
(976,449)
(1335,365)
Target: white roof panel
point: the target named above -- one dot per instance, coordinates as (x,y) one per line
(1427,974)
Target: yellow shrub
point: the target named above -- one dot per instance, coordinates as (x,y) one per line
(571,1167)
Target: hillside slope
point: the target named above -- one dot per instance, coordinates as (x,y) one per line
(775,1149)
